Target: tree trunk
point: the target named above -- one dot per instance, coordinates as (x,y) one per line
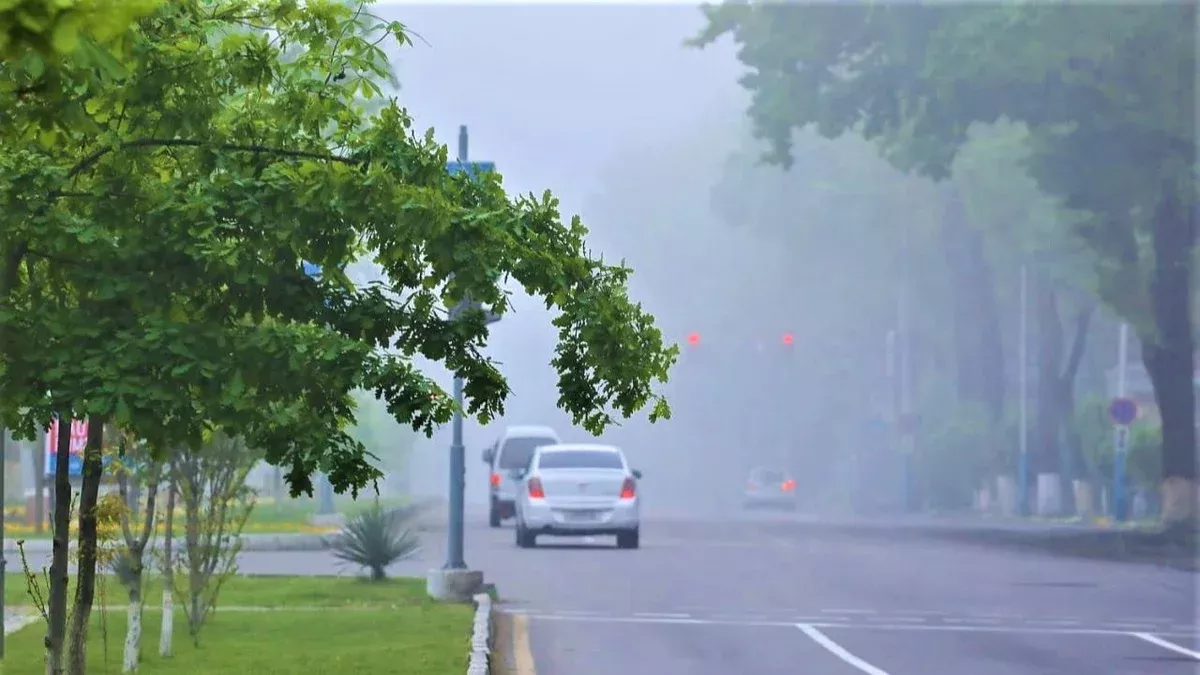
(85,587)
(1072,459)
(979,353)
(57,603)
(1168,354)
(168,570)
(1045,458)
(133,628)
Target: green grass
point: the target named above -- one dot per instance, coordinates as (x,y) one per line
(391,627)
(263,591)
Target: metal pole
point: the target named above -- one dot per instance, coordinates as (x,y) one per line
(1120,438)
(903,344)
(458,460)
(1023,400)
(325,495)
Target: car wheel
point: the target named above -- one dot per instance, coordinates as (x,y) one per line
(525,538)
(628,539)
(494,514)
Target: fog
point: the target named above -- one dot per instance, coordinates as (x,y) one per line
(649,141)
(568,98)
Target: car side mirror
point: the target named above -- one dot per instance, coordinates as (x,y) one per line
(487,455)
(637,474)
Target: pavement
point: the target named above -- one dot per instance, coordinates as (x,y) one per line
(782,593)
(766,595)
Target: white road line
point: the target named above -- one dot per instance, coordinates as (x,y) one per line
(972,620)
(842,625)
(899,619)
(661,615)
(837,650)
(849,611)
(578,612)
(1052,622)
(1129,625)
(1171,646)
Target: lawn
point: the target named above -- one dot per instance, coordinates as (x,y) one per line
(268,516)
(391,627)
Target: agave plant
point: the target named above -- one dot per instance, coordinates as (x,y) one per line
(376,538)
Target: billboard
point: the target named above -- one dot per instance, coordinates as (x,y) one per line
(78,431)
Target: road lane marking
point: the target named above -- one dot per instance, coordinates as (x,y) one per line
(849,611)
(844,625)
(522,651)
(1170,646)
(838,651)
(897,619)
(662,615)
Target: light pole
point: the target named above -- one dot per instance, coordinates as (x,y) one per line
(1121,430)
(454,581)
(1022,400)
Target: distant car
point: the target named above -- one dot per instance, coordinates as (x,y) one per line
(510,454)
(579,490)
(770,488)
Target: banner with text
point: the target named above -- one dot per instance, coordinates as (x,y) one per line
(78,431)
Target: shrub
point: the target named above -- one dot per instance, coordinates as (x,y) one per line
(376,538)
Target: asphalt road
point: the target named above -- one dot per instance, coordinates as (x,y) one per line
(764,594)
(755,597)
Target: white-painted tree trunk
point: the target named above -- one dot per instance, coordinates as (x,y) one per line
(168,623)
(133,636)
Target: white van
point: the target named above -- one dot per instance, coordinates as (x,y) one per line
(506,459)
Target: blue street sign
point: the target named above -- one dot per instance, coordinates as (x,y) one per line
(472,168)
(1123,410)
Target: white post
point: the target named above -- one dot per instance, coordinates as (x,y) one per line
(1023,396)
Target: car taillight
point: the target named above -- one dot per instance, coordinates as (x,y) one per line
(495,480)
(789,485)
(535,488)
(628,489)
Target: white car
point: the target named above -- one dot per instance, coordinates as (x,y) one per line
(578,490)
(508,456)
(770,488)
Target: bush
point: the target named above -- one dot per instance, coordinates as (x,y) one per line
(376,538)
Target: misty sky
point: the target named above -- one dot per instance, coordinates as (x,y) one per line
(555,95)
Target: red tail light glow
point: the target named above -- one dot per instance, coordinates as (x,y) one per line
(693,339)
(535,488)
(495,480)
(789,485)
(628,489)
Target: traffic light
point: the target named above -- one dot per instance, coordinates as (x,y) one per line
(788,339)
(693,339)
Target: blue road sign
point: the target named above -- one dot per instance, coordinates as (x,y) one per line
(472,168)
(1123,411)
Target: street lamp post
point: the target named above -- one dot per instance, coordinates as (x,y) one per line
(454,581)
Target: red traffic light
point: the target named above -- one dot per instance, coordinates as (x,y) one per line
(788,339)
(693,338)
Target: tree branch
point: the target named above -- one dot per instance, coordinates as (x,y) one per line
(89,161)
(1078,345)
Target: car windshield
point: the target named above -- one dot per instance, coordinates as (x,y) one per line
(769,476)
(517,451)
(580,459)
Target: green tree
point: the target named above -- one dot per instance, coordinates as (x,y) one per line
(155,219)
(1106,92)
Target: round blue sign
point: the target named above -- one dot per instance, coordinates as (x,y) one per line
(1123,410)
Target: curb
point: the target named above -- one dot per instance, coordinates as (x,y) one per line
(257,542)
(481,636)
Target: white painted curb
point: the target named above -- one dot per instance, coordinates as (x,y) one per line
(481,636)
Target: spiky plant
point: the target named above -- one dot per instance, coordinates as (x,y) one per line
(376,538)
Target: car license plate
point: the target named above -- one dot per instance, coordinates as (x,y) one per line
(579,516)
